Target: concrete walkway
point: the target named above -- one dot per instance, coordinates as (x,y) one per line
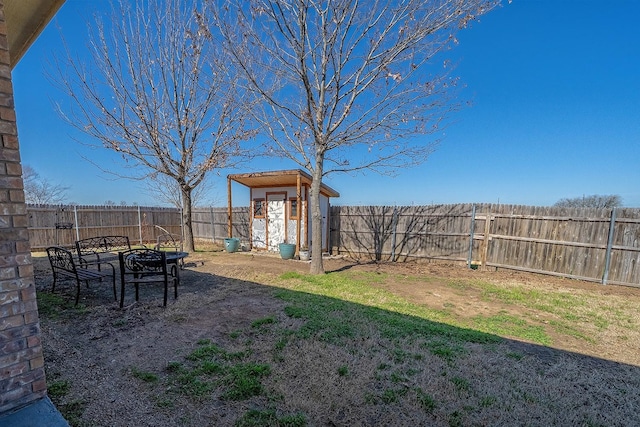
(39,414)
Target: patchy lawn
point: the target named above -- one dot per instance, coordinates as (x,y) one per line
(255,341)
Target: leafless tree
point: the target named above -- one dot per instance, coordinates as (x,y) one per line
(156,90)
(38,190)
(593,201)
(347,85)
(166,190)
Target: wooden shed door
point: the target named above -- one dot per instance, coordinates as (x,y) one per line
(275,220)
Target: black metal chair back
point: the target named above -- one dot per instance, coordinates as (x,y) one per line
(141,266)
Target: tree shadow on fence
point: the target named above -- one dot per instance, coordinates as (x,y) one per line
(387,233)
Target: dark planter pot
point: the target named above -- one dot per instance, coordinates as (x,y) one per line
(287,250)
(231,244)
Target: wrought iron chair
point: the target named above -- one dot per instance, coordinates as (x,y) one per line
(170,242)
(142,266)
(64,267)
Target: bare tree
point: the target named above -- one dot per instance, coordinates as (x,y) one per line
(38,190)
(166,190)
(347,85)
(593,201)
(156,91)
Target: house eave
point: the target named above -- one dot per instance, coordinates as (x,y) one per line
(25,20)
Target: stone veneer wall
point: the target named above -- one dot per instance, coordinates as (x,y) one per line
(22,379)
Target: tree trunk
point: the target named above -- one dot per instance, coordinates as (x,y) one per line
(317,266)
(187,225)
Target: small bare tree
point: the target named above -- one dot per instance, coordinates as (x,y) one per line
(38,190)
(593,201)
(347,85)
(166,190)
(157,91)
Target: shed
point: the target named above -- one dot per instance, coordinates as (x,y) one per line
(279,208)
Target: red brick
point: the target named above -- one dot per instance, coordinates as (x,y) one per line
(14,309)
(14,169)
(14,370)
(11,285)
(7,113)
(13,346)
(11,322)
(39,385)
(26,271)
(37,362)
(8,296)
(16,195)
(20,221)
(9,141)
(7,273)
(23,247)
(27,292)
(6,99)
(33,341)
(31,317)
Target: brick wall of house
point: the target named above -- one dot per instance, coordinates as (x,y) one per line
(22,377)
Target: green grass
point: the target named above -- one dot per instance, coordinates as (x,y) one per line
(327,301)
(210,367)
(326,305)
(58,389)
(148,377)
(511,326)
(55,306)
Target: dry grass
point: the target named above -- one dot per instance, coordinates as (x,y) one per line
(249,344)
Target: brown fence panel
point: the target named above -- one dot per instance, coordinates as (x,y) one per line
(402,233)
(212,223)
(565,242)
(63,225)
(625,252)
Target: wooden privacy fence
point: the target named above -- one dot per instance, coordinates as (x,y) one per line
(63,225)
(601,245)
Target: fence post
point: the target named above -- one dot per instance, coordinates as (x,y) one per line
(473,224)
(485,243)
(394,222)
(213,225)
(75,217)
(139,225)
(607,257)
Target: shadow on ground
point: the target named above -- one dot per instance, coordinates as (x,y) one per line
(330,362)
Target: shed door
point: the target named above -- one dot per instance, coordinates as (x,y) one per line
(275,220)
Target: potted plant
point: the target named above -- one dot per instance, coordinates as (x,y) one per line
(231,244)
(304,253)
(287,250)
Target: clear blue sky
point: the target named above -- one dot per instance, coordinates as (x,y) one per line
(554,87)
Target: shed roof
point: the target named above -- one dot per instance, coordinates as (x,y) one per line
(284,178)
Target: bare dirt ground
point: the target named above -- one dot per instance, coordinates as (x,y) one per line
(222,294)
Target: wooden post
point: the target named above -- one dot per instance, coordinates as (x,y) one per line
(485,243)
(607,260)
(473,224)
(229,209)
(394,225)
(298,212)
(213,225)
